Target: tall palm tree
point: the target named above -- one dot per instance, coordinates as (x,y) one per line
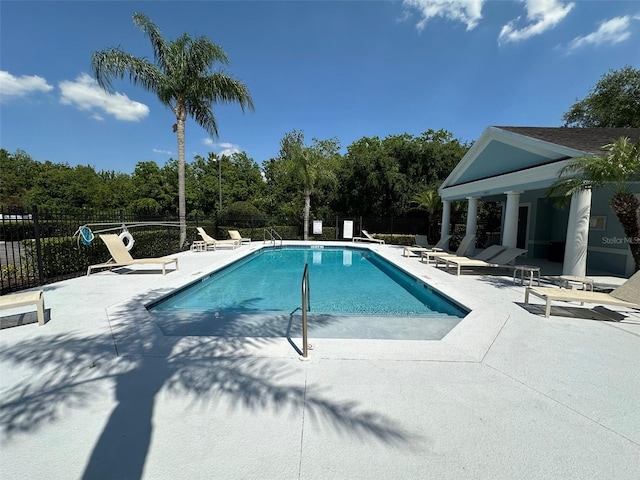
(183,79)
(307,165)
(615,170)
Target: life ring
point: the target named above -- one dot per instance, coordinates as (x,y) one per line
(127,239)
(86,235)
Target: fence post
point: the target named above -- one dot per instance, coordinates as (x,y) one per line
(36,235)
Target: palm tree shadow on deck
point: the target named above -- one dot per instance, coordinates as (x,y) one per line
(75,372)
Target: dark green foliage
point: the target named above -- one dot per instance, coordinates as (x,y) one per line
(613,102)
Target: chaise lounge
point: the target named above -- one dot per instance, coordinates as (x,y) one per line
(211,242)
(235,235)
(503,260)
(120,256)
(626,295)
(422,245)
(465,243)
(23,299)
(367,238)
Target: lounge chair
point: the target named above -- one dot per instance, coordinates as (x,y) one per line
(425,247)
(503,260)
(367,238)
(626,295)
(211,242)
(465,243)
(120,256)
(486,254)
(235,235)
(23,299)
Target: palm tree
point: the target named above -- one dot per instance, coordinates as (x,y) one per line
(615,170)
(429,201)
(307,165)
(183,79)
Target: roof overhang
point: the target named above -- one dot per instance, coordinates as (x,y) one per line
(501,161)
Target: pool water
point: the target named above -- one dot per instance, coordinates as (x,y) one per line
(354,294)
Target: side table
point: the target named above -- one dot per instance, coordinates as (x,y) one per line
(567,280)
(532,271)
(198,246)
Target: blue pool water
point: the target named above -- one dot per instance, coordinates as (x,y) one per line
(354,293)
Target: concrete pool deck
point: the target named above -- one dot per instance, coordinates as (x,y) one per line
(98,392)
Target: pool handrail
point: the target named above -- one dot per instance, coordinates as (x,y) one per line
(306,306)
(273,236)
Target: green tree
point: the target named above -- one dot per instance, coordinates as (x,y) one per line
(19,172)
(613,102)
(307,165)
(429,201)
(154,194)
(183,79)
(615,170)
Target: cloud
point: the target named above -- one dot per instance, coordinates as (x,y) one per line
(224,148)
(165,152)
(609,32)
(541,16)
(468,12)
(85,94)
(12,86)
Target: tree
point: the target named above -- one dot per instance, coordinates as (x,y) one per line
(429,201)
(307,165)
(614,170)
(183,80)
(613,102)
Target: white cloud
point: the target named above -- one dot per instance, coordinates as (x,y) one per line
(468,12)
(541,16)
(165,152)
(224,148)
(85,94)
(12,86)
(609,32)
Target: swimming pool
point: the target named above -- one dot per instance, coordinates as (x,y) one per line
(355,293)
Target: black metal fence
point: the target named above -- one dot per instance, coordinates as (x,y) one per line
(41,246)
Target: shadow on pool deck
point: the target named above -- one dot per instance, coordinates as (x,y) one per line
(73,372)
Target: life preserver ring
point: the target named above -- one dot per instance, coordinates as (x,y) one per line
(127,239)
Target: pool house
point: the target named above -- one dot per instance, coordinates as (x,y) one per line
(515,166)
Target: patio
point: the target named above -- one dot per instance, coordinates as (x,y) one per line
(98,392)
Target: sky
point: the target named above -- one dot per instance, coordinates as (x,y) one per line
(331,69)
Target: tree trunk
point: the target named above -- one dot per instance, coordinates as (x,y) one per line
(625,206)
(307,207)
(181,116)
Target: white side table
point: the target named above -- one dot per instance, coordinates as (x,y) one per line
(198,246)
(533,272)
(585,282)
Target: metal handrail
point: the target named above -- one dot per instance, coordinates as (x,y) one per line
(306,306)
(273,236)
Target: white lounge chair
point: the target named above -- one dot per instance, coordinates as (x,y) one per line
(419,248)
(485,255)
(211,242)
(626,295)
(465,244)
(235,235)
(120,256)
(502,260)
(367,238)
(24,299)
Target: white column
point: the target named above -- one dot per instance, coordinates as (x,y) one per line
(575,250)
(446,220)
(510,224)
(472,220)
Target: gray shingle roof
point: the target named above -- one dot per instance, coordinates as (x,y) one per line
(590,140)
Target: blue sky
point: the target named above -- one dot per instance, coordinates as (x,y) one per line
(331,69)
